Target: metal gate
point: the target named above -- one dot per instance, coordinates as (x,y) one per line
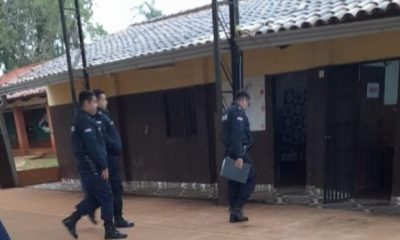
(341,137)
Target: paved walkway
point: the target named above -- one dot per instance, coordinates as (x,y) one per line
(36,214)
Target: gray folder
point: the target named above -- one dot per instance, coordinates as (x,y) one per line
(229,171)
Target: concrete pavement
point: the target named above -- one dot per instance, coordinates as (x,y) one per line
(36,214)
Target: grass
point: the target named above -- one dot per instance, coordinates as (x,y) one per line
(29,164)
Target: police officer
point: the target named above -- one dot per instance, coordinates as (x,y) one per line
(114,148)
(238,140)
(90,152)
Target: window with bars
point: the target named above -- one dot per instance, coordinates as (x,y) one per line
(180,113)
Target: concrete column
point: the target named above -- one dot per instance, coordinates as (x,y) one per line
(21,130)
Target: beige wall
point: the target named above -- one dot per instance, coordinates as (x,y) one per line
(256,62)
(182,74)
(61,94)
(311,55)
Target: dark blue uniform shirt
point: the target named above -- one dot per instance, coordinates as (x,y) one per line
(111,134)
(88,144)
(236,134)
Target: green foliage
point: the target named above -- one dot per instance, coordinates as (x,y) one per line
(30,30)
(148,10)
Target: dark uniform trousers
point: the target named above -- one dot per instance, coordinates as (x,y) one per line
(239,193)
(116,185)
(97,193)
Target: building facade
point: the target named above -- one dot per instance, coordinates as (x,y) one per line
(324,110)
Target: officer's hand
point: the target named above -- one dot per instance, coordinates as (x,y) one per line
(239,163)
(104,174)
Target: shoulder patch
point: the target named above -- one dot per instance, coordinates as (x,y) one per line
(240,119)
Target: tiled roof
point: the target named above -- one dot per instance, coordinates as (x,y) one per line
(194,28)
(296,14)
(17,74)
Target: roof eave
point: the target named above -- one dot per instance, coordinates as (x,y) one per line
(321,33)
(258,41)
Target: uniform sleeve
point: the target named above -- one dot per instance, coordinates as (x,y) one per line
(91,143)
(112,138)
(237,135)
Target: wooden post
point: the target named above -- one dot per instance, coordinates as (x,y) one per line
(22,135)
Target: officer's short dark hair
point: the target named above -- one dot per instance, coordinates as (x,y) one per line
(85,96)
(98,92)
(240,95)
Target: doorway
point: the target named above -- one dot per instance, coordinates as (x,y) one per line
(361,117)
(378,99)
(290,134)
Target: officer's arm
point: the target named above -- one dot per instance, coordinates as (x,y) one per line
(92,146)
(237,135)
(112,138)
(112,144)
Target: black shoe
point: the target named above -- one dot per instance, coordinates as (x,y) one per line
(112,233)
(71,226)
(92,218)
(238,218)
(122,223)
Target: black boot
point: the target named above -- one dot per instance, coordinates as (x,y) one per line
(70,224)
(238,219)
(120,222)
(112,233)
(236,216)
(92,218)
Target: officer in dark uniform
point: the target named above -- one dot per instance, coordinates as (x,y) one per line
(114,148)
(90,152)
(238,141)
